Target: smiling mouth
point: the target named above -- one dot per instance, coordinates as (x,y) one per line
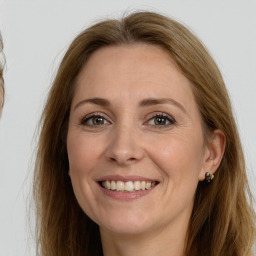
(128,186)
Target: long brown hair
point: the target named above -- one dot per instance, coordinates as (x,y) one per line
(223,220)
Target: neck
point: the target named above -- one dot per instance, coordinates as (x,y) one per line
(161,242)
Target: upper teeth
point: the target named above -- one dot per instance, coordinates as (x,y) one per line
(128,185)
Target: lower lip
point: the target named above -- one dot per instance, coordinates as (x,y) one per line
(126,196)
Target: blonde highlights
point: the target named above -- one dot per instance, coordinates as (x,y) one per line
(222,222)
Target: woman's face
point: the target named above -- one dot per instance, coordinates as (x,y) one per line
(135,141)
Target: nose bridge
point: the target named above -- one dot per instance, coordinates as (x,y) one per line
(124,146)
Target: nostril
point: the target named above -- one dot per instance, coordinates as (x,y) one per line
(131,159)
(113,159)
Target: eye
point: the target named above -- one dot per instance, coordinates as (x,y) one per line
(161,120)
(94,120)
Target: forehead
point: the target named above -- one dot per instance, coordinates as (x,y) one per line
(133,59)
(129,70)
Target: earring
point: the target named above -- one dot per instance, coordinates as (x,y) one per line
(209,177)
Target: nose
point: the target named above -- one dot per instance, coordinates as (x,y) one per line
(125,146)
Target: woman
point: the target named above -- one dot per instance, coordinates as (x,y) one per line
(137,124)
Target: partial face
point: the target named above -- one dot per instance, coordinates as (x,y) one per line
(135,141)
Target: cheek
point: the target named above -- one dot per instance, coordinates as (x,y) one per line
(81,154)
(178,155)
(82,159)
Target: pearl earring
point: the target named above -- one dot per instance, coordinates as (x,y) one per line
(209,177)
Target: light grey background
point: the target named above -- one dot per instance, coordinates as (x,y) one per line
(37,33)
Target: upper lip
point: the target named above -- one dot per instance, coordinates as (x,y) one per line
(125,178)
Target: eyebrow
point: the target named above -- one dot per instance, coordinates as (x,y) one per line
(144,103)
(96,101)
(153,101)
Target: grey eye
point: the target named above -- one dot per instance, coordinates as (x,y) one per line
(161,120)
(98,120)
(95,120)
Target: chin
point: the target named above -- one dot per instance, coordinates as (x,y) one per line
(125,229)
(127,225)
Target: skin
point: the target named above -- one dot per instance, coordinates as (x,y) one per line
(129,141)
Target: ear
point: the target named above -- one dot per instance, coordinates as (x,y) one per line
(213,153)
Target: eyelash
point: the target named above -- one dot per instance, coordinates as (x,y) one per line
(90,117)
(167,118)
(162,116)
